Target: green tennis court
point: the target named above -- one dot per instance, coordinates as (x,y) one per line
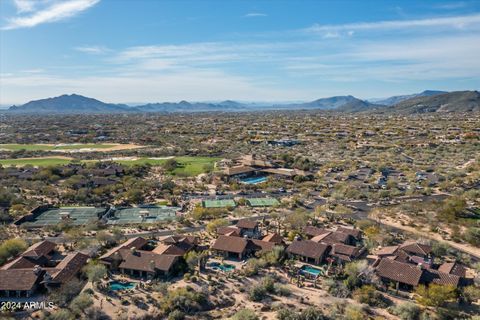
(77,216)
(262,202)
(137,215)
(218,203)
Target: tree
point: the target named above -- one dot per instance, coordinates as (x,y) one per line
(170,165)
(213,225)
(196,259)
(11,248)
(298,219)
(103,237)
(95,272)
(435,295)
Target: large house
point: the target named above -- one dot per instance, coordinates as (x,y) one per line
(40,266)
(239,247)
(243,228)
(133,258)
(339,245)
(410,264)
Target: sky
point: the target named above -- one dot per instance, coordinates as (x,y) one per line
(137,51)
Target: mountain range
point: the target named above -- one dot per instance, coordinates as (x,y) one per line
(426,101)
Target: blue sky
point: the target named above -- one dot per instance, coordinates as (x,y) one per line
(134,51)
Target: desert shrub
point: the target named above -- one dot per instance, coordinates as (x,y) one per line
(176,315)
(245,314)
(369,295)
(282,290)
(353,312)
(337,289)
(10,248)
(257,293)
(268,284)
(406,311)
(311,313)
(435,295)
(184,299)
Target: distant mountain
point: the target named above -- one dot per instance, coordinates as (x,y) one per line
(73,103)
(337,103)
(397,99)
(427,101)
(457,101)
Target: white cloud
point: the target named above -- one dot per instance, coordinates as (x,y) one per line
(255,14)
(55,11)
(451,22)
(93,49)
(25,5)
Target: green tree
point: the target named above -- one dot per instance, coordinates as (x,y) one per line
(245,314)
(213,225)
(435,295)
(95,272)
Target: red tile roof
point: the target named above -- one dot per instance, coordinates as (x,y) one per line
(146,260)
(246,224)
(453,268)
(39,249)
(308,249)
(230,244)
(18,279)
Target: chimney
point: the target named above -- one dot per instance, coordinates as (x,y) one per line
(37,270)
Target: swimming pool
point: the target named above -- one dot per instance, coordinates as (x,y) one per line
(310,270)
(116,285)
(254,180)
(223,267)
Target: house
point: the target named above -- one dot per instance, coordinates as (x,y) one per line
(345,253)
(239,247)
(402,274)
(311,231)
(131,258)
(248,228)
(308,251)
(39,266)
(229,231)
(453,268)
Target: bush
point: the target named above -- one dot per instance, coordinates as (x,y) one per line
(11,248)
(184,299)
(406,311)
(257,293)
(282,290)
(245,314)
(353,312)
(369,295)
(337,289)
(268,284)
(311,313)
(435,295)
(176,315)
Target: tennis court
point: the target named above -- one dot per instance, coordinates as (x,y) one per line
(218,203)
(262,202)
(77,216)
(141,215)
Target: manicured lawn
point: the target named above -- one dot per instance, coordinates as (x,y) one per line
(38,162)
(188,166)
(44,147)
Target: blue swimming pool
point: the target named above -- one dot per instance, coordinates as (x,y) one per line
(311,270)
(223,267)
(116,286)
(254,180)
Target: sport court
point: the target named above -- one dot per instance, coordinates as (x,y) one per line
(77,216)
(218,203)
(136,215)
(262,202)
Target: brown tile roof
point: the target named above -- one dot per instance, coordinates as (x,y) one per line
(307,248)
(260,245)
(453,268)
(19,263)
(179,239)
(230,244)
(18,279)
(246,224)
(39,249)
(356,233)
(416,248)
(437,277)
(387,251)
(273,237)
(146,260)
(336,237)
(69,267)
(399,271)
(229,231)
(314,231)
(178,249)
(137,243)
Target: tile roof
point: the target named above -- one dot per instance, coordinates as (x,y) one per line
(246,224)
(273,237)
(146,260)
(437,277)
(453,268)
(137,243)
(238,170)
(39,249)
(307,248)
(314,231)
(416,248)
(229,231)
(385,251)
(19,263)
(399,271)
(260,245)
(356,233)
(18,279)
(230,244)
(68,267)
